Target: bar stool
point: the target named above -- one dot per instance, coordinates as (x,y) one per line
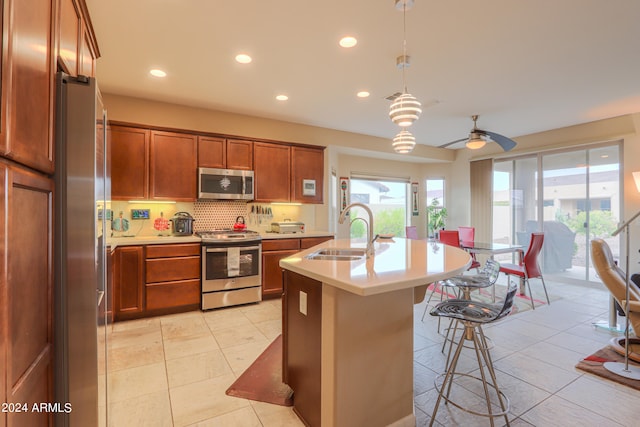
(473,315)
(466,283)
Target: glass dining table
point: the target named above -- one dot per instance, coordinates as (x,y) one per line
(492,249)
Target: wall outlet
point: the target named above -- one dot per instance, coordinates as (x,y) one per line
(303,303)
(139,213)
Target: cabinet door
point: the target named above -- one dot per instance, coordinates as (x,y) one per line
(86,65)
(128,282)
(272,273)
(70,29)
(306,164)
(272,172)
(129,163)
(173,166)
(239,154)
(28,83)
(27,283)
(212,152)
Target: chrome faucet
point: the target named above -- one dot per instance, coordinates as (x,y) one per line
(370,237)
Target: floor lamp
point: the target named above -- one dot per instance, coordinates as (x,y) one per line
(619,368)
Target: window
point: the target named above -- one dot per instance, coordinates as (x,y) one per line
(387,199)
(435,205)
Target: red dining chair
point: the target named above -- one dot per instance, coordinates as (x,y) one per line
(467,234)
(528,267)
(450,237)
(411,232)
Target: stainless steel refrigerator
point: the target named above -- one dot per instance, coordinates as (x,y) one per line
(79,241)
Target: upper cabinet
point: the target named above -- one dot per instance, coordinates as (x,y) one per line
(152,165)
(271,164)
(307,174)
(129,163)
(172,166)
(77,50)
(26,121)
(214,152)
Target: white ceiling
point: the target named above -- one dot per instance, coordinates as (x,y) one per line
(523,66)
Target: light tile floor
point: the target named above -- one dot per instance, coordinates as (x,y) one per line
(174,370)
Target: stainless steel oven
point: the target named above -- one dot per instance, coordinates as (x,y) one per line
(231,268)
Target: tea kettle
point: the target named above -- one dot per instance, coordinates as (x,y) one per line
(182,224)
(240,224)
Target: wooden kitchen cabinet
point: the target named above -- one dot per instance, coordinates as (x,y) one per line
(173,277)
(273,250)
(306,164)
(70,31)
(128,282)
(301,335)
(222,153)
(129,163)
(26,293)
(172,166)
(272,169)
(28,83)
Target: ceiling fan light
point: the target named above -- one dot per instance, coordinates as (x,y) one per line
(404,142)
(475,141)
(405,110)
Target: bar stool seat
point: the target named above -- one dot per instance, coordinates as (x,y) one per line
(474,314)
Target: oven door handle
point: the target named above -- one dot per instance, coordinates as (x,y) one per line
(242,248)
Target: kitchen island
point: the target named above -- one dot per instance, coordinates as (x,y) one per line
(348,329)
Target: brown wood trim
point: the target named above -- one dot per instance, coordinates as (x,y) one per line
(92,34)
(213,135)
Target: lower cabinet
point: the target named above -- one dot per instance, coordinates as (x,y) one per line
(26,294)
(128,282)
(301,334)
(273,250)
(156,279)
(173,277)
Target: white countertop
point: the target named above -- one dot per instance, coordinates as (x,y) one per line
(150,240)
(397,264)
(268,236)
(158,240)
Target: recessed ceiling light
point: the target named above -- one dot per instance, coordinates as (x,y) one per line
(282,97)
(348,41)
(243,58)
(363,94)
(157,73)
(604,156)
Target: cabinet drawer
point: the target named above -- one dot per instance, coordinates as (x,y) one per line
(308,242)
(169,269)
(280,244)
(164,251)
(173,294)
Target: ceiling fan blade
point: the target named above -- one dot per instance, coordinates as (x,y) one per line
(452,142)
(506,143)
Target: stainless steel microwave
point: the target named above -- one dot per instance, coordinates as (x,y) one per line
(225,184)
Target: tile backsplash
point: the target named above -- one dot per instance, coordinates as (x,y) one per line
(211,215)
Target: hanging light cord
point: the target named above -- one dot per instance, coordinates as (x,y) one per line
(405,61)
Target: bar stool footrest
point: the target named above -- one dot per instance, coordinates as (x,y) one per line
(438,385)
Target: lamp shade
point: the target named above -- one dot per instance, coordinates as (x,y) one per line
(475,141)
(405,110)
(404,142)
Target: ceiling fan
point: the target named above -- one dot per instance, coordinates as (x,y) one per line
(478,138)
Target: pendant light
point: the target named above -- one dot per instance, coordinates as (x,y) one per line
(404,142)
(405,108)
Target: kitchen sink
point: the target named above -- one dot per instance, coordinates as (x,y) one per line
(347,254)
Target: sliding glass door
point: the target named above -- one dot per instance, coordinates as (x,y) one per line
(573,196)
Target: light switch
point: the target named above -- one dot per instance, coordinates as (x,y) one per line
(303,303)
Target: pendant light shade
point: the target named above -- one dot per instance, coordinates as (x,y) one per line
(404,142)
(405,110)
